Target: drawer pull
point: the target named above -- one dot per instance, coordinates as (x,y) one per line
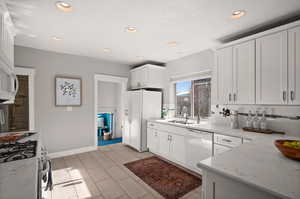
(226,140)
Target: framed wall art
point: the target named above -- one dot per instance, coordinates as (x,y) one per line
(68,91)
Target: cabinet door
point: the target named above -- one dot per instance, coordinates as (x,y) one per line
(225,67)
(152,140)
(133,79)
(244,73)
(271,69)
(142,76)
(215,91)
(294,66)
(177,148)
(164,144)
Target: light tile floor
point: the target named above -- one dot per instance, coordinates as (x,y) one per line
(101,175)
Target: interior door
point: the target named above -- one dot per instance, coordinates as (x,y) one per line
(177,148)
(164,143)
(135,117)
(244,73)
(225,67)
(271,69)
(294,66)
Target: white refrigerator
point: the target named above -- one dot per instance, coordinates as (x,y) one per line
(142,105)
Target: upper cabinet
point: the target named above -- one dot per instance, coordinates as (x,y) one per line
(263,70)
(8,80)
(236,74)
(294,66)
(244,73)
(147,76)
(7,39)
(225,73)
(271,69)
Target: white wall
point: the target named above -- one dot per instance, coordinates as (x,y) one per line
(62,130)
(195,63)
(109,100)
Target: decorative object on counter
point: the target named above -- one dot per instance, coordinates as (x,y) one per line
(289,148)
(13,137)
(168,180)
(67,91)
(263,121)
(249,120)
(234,120)
(225,112)
(255,122)
(264,131)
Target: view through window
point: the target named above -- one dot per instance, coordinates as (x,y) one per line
(193,97)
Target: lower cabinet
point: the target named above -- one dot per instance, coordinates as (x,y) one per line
(216,186)
(171,146)
(177,148)
(152,140)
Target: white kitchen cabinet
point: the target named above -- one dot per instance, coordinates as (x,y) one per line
(152,140)
(216,186)
(177,148)
(147,76)
(164,144)
(294,66)
(225,73)
(244,73)
(271,69)
(235,74)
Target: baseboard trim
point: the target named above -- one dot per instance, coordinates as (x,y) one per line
(72,152)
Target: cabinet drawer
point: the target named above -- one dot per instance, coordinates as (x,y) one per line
(227,140)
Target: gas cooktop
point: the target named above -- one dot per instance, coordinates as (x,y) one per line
(17,151)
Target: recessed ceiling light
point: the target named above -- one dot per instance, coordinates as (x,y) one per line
(63,6)
(238,14)
(140,57)
(106,50)
(131,29)
(172,43)
(56,38)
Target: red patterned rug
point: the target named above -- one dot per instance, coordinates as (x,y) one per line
(167,179)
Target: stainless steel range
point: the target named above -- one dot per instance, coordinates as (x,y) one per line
(17,151)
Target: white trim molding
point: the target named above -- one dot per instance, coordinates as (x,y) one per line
(115,79)
(191,76)
(30,72)
(72,152)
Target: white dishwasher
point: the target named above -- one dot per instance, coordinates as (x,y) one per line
(198,147)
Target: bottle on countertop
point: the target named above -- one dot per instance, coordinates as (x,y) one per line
(234,120)
(255,122)
(249,120)
(263,121)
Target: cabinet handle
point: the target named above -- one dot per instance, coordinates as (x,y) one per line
(226,140)
(292,95)
(229,97)
(234,97)
(214,190)
(284,95)
(170,137)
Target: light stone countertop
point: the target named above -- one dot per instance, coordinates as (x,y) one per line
(18,179)
(257,163)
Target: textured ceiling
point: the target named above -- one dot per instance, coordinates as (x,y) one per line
(97,24)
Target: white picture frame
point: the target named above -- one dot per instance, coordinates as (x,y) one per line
(68,91)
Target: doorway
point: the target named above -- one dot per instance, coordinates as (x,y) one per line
(110,95)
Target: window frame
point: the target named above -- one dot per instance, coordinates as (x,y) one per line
(192,94)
